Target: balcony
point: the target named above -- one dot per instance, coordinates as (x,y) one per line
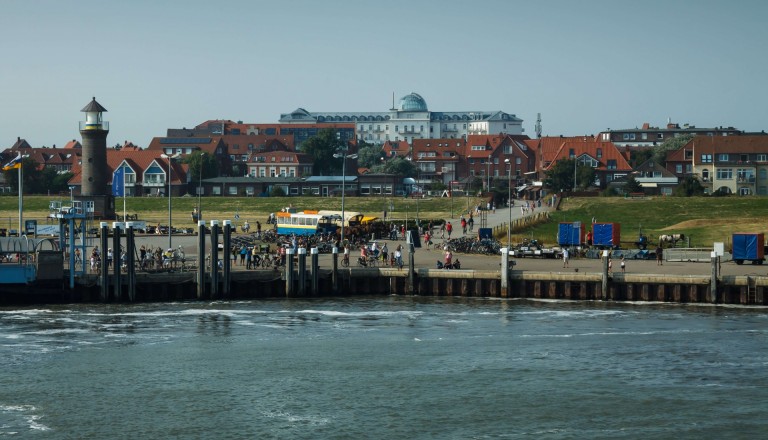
(746,179)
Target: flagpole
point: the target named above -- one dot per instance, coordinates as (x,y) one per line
(124,218)
(21,198)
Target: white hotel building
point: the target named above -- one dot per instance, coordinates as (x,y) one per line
(410,120)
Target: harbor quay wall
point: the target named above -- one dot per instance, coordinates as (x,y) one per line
(582,286)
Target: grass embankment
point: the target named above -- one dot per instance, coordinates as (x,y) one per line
(704,219)
(155,209)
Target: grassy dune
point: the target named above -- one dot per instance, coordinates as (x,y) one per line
(704,219)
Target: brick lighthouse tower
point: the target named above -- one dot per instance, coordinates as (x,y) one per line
(95,173)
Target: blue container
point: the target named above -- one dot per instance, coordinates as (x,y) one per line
(748,247)
(606,235)
(570,234)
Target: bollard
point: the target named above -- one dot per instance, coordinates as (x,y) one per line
(289,272)
(713,279)
(302,272)
(411,269)
(505,272)
(116,232)
(130,246)
(104,273)
(315,269)
(335,271)
(200,259)
(225,288)
(604,280)
(214,259)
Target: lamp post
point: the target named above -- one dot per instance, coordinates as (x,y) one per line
(170,159)
(509,201)
(488,174)
(199,187)
(343,156)
(575,162)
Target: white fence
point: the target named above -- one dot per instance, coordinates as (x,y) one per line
(693,254)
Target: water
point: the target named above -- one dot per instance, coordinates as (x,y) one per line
(385,367)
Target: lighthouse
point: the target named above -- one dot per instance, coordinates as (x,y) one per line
(95,173)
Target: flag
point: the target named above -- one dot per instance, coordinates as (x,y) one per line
(118,182)
(14,164)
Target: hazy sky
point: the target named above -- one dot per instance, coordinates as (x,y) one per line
(584,65)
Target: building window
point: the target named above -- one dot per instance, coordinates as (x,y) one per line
(762,157)
(688,168)
(724,174)
(599,153)
(706,158)
(722,157)
(660,136)
(232,190)
(611,165)
(679,168)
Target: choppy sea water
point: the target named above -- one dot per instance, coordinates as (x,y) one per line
(385,367)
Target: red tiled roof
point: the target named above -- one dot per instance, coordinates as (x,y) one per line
(590,147)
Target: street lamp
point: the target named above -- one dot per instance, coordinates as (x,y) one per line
(199,187)
(575,162)
(170,159)
(488,174)
(343,156)
(509,201)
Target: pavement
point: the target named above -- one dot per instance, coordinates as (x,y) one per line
(427,257)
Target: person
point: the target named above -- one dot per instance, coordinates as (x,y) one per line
(248,255)
(384,252)
(243,253)
(78,257)
(258,229)
(364,255)
(110,256)
(255,258)
(448,258)
(589,238)
(566,256)
(346,255)
(471,222)
(449,229)
(399,256)
(427,238)
(375,250)
(623,264)
(442,230)
(610,265)
(463,225)
(246,227)
(659,256)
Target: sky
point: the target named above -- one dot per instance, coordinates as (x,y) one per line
(586,66)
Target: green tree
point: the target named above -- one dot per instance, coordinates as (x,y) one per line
(560,176)
(585,176)
(277,191)
(639,156)
(400,166)
(199,160)
(671,144)
(369,156)
(31,175)
(632,185)
(321,148)
(690,186)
